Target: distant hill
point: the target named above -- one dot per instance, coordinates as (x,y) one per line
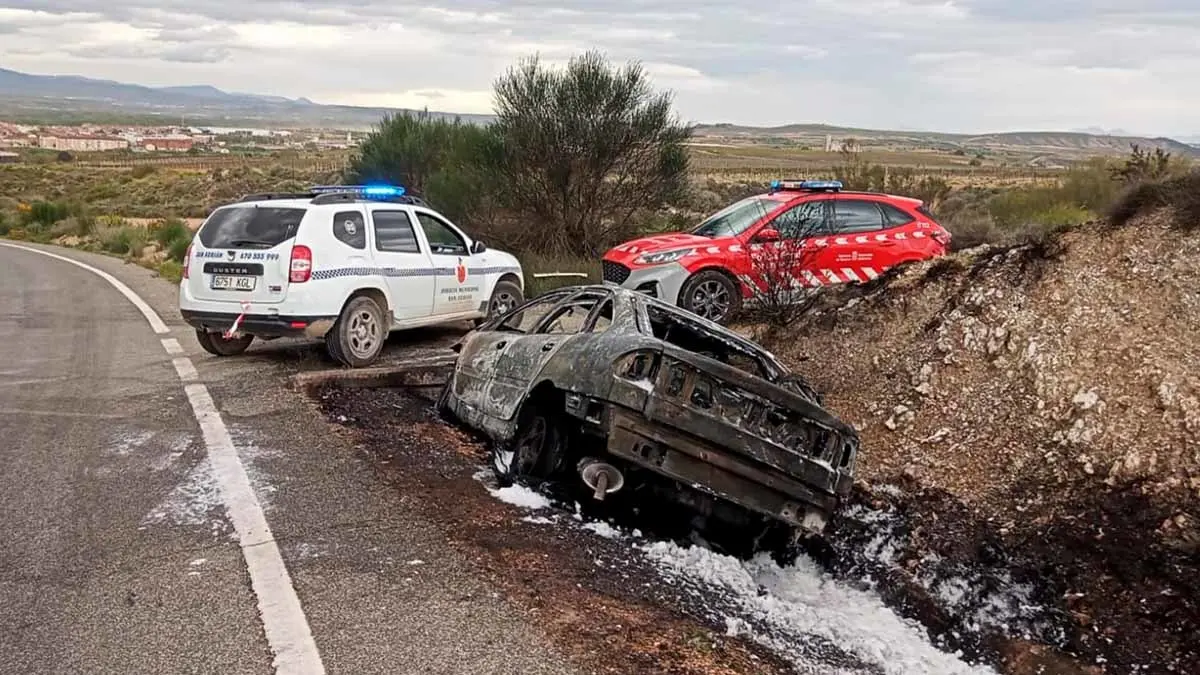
(1058,143)
(69,98)
(72,99)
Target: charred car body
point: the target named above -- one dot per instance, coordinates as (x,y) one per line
(606,383)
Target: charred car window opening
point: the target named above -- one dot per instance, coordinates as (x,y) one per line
(526,318)
(573,316)
(670,326)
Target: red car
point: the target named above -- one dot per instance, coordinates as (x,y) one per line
(830,236)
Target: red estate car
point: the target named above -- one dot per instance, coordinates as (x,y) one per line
(836,237)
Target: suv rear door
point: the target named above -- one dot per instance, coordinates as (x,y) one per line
(859,253)
(243,252)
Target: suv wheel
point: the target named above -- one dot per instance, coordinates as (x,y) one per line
(710,294)
(216,343)
(505,298)
(358,336)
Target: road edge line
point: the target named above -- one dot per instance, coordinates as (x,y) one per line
(284,622)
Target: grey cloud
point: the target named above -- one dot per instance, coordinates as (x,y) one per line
(195,54)
(847,61)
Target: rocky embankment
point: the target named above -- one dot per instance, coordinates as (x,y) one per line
(1031,433)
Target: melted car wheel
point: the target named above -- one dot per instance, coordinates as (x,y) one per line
(533,453)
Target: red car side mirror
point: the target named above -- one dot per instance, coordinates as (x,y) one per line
(767,234)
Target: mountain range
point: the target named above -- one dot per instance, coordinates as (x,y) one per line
(73,99)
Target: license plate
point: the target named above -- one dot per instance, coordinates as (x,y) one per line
(227,282)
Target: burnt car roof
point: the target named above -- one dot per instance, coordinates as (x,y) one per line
(644,300)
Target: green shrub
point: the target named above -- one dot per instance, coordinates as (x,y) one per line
(46,213)
(171,271)
(169,230)
(1181,193)
(123,240)
(5,224)
(1022,206)
(76,226)
(141,171)
(63,228)
(177,248)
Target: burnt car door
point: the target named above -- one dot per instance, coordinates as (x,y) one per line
(481,350)
(525,356)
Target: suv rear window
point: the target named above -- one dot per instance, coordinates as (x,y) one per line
(250,227)
(923,210)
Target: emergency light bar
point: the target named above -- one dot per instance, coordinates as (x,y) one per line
(364,190)
(807,185)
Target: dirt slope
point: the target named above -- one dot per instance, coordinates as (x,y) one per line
(1040,406)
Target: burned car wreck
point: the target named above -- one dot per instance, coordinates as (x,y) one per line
(607,385)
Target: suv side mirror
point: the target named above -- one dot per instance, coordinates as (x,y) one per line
(767,234)
(477,247)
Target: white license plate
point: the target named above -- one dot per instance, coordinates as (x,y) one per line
(230,282)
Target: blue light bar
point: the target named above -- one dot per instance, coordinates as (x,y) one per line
(808,185)
(364,190)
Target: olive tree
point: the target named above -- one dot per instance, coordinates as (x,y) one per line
(585,149)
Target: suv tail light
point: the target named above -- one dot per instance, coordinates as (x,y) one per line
(942,236)
(187,261)
(301,266)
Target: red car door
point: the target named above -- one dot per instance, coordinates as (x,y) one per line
(787,251)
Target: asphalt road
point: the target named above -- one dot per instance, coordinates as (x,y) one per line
(119,552)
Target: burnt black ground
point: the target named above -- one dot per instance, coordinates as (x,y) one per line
(935,542)
(582,571)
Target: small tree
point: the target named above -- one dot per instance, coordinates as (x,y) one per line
(784,285)
(584,150)
(1142,165)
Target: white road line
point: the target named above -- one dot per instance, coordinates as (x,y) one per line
(283,618)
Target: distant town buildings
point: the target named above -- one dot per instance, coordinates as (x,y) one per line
(174,139)
(80,143)
(166,143)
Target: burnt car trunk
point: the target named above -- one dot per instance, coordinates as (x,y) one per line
(716,428)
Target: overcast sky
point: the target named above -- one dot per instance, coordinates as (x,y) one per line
(947,65)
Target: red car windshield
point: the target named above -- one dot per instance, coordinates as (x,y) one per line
(736,218)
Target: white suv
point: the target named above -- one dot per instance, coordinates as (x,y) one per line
(342,262)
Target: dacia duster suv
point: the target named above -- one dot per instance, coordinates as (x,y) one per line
(344,263)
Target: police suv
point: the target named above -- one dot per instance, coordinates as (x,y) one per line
(347,263)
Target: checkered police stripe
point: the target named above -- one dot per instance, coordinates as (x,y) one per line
(339,272)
